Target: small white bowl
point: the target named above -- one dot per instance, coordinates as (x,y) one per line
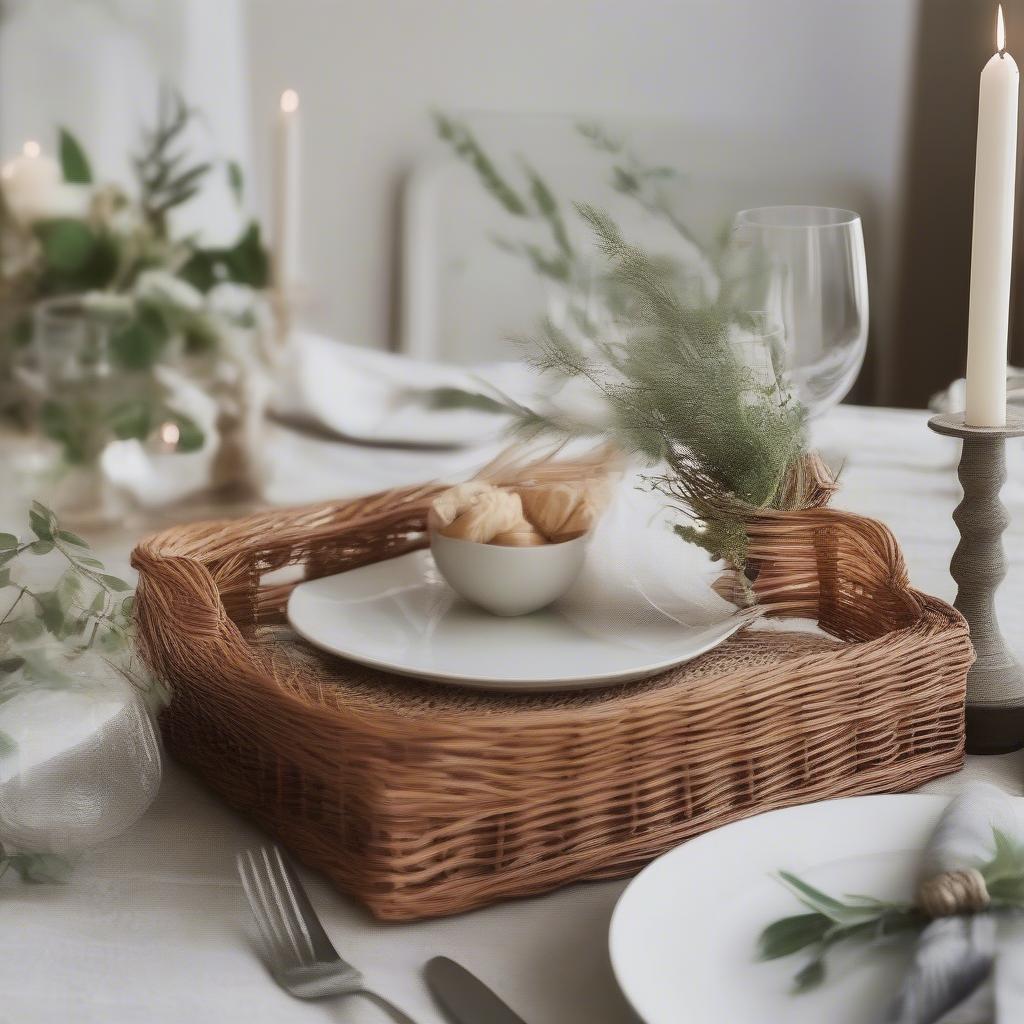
(508,580)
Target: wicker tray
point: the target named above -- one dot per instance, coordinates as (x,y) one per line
(422,800)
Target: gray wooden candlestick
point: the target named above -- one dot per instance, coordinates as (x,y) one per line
(995,683)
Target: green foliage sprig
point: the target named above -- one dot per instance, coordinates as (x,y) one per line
(656,346)
(830,921)
(165,179)
(86,607)
(44,628)
(35,867)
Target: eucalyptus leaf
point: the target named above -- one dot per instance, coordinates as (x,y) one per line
(67,245)
(861,917)
(792,934)
(1008,860)
(457,398)
(236,180)
(8,540)
(816,900)
(41,525)
(137,345)
(246,262)
(45,511)
(72,538)
(41,867)
(809,977)
(51,612)
(114,583)
(130,420)
(41,547)
(466,146)
(25,630)
(73,161)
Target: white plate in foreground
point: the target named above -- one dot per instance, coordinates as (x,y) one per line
(684,932)
(400,615)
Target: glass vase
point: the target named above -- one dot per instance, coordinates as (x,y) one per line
(74,389)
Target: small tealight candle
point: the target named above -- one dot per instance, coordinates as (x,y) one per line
(34,187)
(170,435)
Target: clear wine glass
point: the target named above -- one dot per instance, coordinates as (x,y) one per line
(800,271)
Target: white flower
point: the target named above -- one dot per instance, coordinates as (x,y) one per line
(164,288)
(231,300)
(106,303)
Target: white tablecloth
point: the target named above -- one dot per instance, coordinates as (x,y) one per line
(154,928)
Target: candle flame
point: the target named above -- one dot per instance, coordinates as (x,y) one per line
(31,149)
(1000,29)
(289,101)
(170,434)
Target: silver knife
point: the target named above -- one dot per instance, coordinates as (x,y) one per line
(465,998)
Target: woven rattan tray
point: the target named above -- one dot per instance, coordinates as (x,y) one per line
(422,800)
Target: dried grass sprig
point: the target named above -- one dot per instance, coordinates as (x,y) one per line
(678,392)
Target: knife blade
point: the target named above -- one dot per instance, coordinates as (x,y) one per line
(464,997)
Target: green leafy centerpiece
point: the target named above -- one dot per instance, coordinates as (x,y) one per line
(109,319)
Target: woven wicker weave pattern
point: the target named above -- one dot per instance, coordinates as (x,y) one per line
(422,800)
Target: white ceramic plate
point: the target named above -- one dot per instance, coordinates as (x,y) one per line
(401,616)
(683,934)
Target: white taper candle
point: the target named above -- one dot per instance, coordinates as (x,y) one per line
(992,243)
(286,194)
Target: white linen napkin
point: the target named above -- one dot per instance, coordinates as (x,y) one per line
(366,394)
(967,969)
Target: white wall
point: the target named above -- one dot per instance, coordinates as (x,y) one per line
(828,78)
(95,67)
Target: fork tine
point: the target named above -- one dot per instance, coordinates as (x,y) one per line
(320,942)
(286,910)
(289,884)
(255,891)
(248,887)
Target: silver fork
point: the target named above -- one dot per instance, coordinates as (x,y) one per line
(300,956)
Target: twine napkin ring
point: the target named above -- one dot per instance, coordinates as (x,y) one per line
(953,892)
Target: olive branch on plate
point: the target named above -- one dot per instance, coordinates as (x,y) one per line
(829,920)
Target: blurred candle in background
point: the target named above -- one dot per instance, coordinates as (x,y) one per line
(992,244)
(28,182)
(286,194)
